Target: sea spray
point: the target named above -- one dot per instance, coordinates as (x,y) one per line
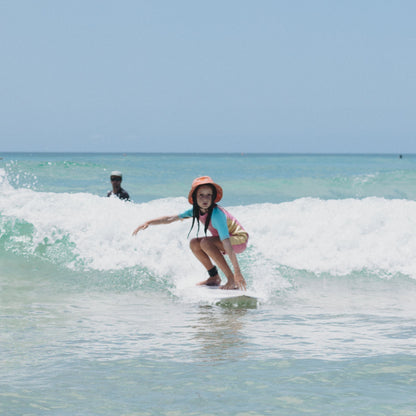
(336,237)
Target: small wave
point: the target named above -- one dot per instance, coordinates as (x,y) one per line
(337,236)
(87,233)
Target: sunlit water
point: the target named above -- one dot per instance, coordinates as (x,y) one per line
(97,322)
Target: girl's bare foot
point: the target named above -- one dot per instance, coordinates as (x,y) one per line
(211,281)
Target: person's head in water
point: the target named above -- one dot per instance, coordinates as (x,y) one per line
(116,178)
(203,196)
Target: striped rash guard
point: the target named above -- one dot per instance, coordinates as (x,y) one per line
(223,225)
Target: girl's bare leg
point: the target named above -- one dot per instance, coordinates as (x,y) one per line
(195,245)
(208,248)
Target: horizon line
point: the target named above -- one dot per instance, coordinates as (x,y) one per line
(206,153)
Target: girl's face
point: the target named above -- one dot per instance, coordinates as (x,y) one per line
(204,195)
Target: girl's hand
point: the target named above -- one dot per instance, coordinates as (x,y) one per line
(239,281)
(140,227)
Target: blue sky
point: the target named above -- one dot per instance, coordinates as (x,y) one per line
(219,76)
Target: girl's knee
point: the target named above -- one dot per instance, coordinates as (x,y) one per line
(194,244)
(206,243)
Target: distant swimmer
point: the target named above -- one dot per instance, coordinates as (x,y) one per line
(116,177)
(228,235)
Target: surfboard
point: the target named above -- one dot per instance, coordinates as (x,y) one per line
(231,298)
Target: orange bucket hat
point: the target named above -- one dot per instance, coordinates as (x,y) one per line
(204,180)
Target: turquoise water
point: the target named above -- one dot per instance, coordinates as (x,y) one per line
(96,322)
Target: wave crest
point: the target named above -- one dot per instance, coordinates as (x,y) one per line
(87,232)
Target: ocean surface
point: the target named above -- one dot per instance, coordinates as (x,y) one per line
(94,321)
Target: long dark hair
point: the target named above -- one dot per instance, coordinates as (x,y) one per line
(196,211)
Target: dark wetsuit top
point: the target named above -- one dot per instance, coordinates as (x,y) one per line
(122,194)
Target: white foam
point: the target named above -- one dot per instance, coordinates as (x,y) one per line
(334,236)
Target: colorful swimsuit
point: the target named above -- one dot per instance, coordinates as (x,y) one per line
(224,225)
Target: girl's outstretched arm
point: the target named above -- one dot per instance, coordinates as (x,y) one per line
(161,220)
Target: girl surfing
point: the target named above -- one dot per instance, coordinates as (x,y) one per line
(228,236)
